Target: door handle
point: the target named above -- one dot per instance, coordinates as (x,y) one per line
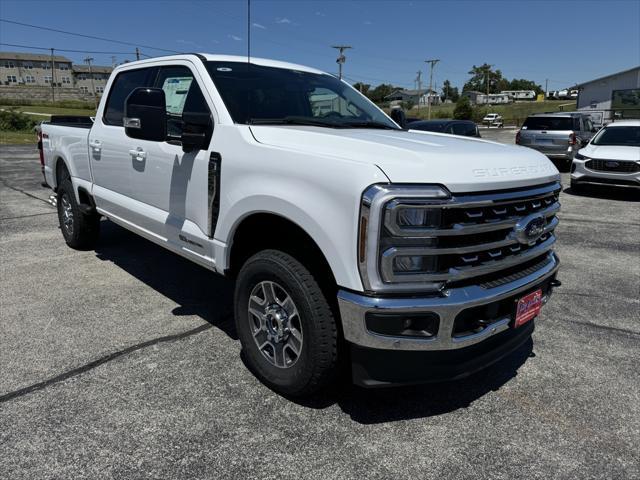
(95,145)
(138,154)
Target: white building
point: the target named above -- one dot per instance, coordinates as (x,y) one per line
(520,94)
(613,96)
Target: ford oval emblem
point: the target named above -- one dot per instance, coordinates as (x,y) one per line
(529,229)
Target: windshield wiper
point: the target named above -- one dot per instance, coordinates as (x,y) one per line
(369,124)
(294,120)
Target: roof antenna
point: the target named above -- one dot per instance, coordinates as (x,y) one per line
(248,61)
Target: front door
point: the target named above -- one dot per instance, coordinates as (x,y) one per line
(171,186)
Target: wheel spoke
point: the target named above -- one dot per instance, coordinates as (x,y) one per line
(279,357)
(289,307)
(269,292)
(295,344)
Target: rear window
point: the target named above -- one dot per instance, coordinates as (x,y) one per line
(548,123)
(427,127)
(123,85)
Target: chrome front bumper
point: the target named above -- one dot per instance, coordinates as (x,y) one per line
(354,307)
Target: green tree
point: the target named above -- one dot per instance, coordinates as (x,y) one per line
(362,87)
(523,84)
(449,92)
(463,110)
(483,74)
(378,94)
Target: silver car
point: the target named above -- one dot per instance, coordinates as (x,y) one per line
(557,135)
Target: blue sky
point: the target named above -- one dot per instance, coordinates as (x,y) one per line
(564,41)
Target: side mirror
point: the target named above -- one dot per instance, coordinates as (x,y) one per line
(145,114)
(398,116)
(196,131)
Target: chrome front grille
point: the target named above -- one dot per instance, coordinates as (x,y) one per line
(619,166)
(477,235)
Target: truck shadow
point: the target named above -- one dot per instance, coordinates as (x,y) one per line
(199,292)
(195,289)
(607,193)
(373,406)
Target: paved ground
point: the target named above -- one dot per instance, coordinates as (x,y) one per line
(123,363)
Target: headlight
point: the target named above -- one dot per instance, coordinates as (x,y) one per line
(581,157)
(398,216)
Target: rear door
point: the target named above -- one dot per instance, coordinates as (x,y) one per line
(109,154)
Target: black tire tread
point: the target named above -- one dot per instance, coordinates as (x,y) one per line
(326,355)
(86,226)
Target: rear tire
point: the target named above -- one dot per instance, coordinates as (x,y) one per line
(285,324)
(80,230)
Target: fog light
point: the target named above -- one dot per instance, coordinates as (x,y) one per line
(423,325)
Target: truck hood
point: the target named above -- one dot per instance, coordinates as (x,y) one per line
(612,152)
(461,164)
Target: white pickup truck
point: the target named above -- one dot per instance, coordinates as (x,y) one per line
(406,256)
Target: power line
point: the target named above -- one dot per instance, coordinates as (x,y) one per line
(93,37)
(32,47)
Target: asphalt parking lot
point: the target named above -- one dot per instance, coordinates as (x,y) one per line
(123,363)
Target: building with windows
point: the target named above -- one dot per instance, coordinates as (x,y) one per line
(83,76)
(417,97)
(612,96)
(35,69)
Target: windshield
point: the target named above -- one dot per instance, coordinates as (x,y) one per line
(255,94)
(548,123)
(622,136)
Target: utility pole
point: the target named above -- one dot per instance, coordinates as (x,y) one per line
(113,61)
(432,63)
(546,88)
(487,76)
(137,53)
(341,58)
(88,61)
(53,78)
(419,84)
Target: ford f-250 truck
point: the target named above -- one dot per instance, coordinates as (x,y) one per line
(409,256)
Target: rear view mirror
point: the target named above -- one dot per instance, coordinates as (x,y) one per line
(196,131)
(398,116)
(145,114)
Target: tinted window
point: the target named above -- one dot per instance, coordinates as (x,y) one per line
(548,123)
(427,127)
(624,136)
(466,129)
(123,85)
(182,94)
(259,94)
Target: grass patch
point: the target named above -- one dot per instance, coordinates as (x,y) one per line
(513,113)
(17,137)
(51,110)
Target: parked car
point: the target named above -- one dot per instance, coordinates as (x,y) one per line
(493,120)
(466,128)
(557,135)
(418,257)
(612,157)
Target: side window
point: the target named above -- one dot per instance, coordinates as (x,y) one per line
(123,85)
(459,129)
(327,103)
(587,125)
(182,94)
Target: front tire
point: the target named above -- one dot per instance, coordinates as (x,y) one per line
(80,230)
(285,324)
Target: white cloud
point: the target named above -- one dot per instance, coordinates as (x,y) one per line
(320,14)
(283,20)
(257,25)
(235,37)
(368,22)
(189,42)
